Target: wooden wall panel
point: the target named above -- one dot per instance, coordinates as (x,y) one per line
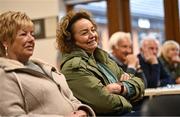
(118,13)
(172,28)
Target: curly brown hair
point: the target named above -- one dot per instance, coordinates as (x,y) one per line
(64,34)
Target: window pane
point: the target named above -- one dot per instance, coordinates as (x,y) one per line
(147,19)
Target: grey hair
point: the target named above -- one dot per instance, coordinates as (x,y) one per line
(117,36)
(148,38)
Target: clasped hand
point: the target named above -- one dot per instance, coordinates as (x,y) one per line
(116,88)
(78,113)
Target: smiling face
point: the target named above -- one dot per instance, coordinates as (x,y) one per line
(85,35)
(16,36)
(122,49)
(23,45)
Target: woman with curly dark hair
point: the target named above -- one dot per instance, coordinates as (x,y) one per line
(65,39)
(93,77)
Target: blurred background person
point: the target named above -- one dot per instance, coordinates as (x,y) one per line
(153,69)
(94,78)
(170,59)
(121,53)
(31,88)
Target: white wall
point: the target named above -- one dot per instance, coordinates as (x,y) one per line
(47,9)
(45,49)
(34,8)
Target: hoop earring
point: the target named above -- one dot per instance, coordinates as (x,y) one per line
(6,53)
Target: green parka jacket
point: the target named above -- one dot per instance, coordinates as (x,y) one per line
(87,82)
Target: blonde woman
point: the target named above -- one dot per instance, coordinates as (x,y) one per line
(171,60)
(31,88)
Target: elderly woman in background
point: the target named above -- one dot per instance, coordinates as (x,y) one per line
(171,60)
(94,78)
(30,88)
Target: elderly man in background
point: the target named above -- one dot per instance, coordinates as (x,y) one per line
(121,53)
(153,69)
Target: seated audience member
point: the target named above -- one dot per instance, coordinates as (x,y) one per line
(94,78)
(121,53)
(154,72)
(164,106)
(31,88)
(170,59)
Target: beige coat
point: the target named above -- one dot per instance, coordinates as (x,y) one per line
(27,92)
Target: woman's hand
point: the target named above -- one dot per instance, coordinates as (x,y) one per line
(125,77)
(114,88)
(78,113)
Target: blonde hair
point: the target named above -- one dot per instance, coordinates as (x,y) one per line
(10,23)
(167,46)
(116,37)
